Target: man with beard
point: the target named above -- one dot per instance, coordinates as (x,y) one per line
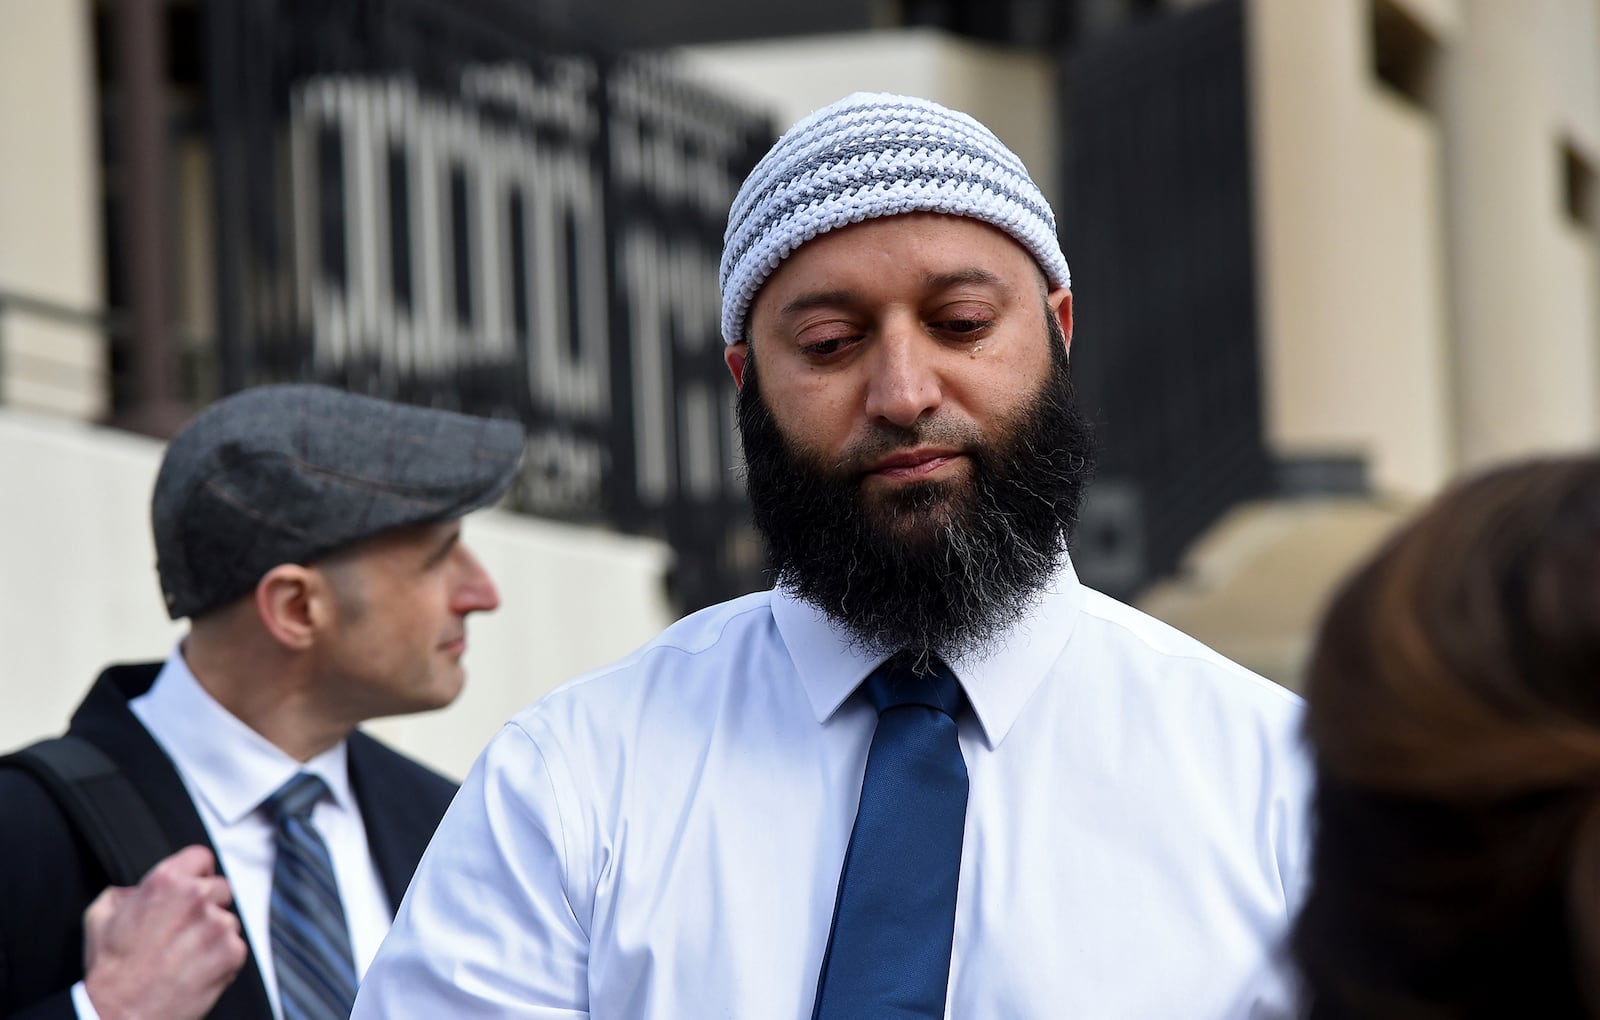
(930,774)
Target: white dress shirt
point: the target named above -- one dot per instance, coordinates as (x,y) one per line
(663,837)
(229,770)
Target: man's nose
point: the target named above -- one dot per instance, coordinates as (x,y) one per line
(904,384)
(476,592)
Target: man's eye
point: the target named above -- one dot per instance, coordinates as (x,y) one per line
(823,348)
(962,325)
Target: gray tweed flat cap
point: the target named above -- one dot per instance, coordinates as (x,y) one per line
(293,473)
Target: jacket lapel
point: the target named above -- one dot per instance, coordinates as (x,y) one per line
(397,821)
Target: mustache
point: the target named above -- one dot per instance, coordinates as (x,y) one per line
(887,438)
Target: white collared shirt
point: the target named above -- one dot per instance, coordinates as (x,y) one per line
(663,837)
(229,770)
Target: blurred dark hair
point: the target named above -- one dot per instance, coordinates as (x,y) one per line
(1454,714)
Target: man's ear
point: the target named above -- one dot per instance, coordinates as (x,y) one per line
(1060,303)
(736,355)
(291,601)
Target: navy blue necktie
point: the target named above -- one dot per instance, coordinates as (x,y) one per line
(894,919)
(310,941)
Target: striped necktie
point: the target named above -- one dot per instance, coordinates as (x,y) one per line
(310,942)
(894,920)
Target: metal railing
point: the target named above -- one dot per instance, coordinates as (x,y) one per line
(15,305)
(115,389)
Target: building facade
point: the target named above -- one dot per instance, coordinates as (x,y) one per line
(1327,256)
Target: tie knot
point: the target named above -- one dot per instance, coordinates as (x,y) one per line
(297,797)
(896,683)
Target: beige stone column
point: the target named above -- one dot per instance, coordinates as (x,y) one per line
(1523,276)
(50,232)
(1349,247)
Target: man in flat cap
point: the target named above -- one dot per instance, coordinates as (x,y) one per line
(931,774)
(313,540)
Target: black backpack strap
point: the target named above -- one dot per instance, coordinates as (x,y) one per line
(101,803)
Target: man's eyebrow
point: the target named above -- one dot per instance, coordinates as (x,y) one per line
(443,548)
(972,275)
(930,282)
(818,299)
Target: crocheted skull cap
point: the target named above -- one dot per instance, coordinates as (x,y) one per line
(870,155)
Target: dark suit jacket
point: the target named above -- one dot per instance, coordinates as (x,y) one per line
(48,876)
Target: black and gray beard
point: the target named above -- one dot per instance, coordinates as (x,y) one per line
(935,567)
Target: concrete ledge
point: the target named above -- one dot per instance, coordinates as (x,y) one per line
(1254,586)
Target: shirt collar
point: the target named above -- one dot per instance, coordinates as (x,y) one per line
(998,682)
(223,761)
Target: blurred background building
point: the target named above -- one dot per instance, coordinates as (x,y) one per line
(1326,256)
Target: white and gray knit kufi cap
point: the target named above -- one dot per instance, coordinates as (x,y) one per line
(870,155)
